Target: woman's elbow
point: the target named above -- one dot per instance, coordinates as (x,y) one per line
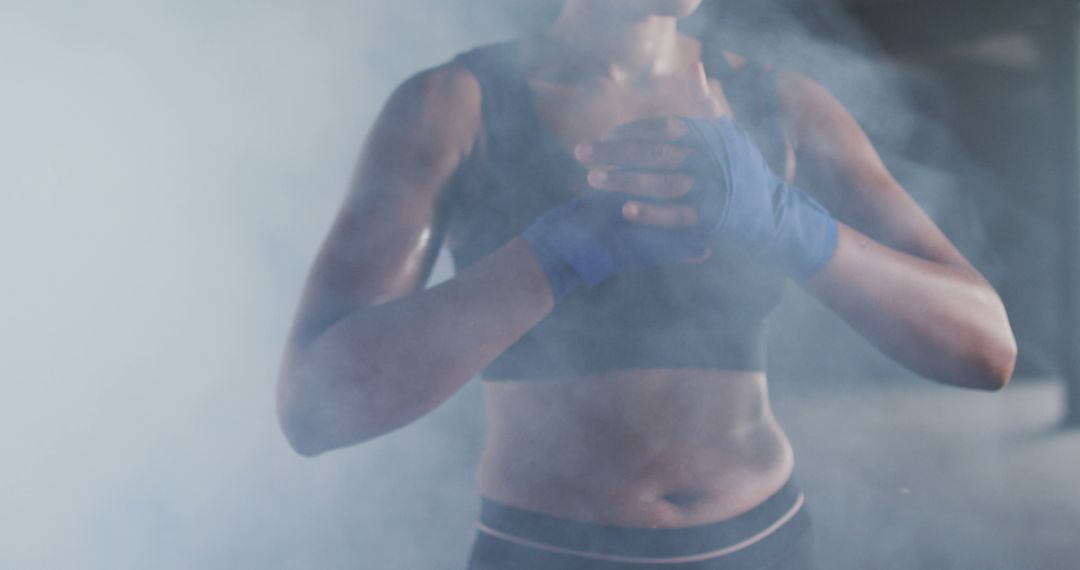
(303,445)
(316,418)
(994,365)
(1005,364)
(304,410)
(300,428)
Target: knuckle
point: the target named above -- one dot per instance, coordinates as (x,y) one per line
(602,180)
(684,155)
(674,127)
(686,183)
(669,184)
(670,125)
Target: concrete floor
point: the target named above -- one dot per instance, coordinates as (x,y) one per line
(928,477)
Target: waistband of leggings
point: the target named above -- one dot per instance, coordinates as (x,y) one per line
(686,544)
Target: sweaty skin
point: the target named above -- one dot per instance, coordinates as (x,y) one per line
(371,350)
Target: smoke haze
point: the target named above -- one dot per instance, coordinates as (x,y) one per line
(168,171)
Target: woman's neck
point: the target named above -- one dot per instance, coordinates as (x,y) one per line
(618,48)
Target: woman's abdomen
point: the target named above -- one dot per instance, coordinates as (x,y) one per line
(636,448)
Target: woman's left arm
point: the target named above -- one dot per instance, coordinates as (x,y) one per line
(895,277)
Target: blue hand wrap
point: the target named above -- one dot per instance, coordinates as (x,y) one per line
(742,201)
(587,240)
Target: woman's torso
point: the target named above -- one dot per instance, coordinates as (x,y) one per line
(645,447)
(640,448)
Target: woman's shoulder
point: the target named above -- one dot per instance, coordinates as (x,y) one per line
(449,87)
(463,73)
(434,114)
(492,55)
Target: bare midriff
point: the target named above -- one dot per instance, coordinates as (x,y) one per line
(635,448)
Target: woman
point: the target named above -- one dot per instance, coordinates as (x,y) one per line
(616,263)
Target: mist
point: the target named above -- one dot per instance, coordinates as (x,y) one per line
(168,171)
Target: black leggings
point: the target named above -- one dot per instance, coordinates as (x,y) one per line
(775,535)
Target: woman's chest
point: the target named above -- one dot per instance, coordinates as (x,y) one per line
(525,161)
(590,111)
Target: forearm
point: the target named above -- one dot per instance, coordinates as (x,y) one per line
(944,322)
(382,367)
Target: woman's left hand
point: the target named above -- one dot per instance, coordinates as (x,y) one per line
(714,167)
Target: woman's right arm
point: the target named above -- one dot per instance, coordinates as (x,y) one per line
(371,351)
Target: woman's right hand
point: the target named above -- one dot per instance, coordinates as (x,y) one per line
(595,237)
(631,221)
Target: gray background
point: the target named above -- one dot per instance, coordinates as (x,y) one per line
(167,171)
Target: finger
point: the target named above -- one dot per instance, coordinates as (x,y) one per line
(652,129)
(657,215)
(633,153)
(653,184)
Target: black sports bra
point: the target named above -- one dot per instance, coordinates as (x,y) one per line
(705,316)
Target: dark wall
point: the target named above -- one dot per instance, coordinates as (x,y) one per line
(1005,70)
(970,108)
